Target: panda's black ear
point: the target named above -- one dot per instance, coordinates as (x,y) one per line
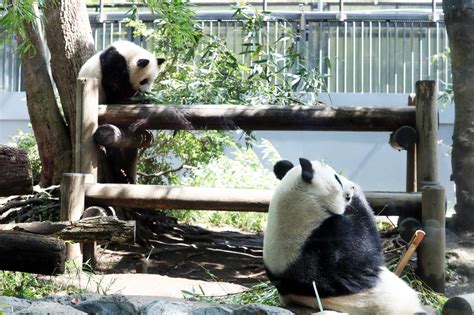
(160,61)
(281,168)
(307,171)
(142,63)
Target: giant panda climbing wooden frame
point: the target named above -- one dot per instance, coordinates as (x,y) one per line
(423,118)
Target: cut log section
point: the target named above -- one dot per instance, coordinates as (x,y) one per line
(110,135)
(31,253)
(15,172)
(103,229)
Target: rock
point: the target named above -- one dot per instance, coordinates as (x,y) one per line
(260,309)
(125,305)
(9,304)
(44,308)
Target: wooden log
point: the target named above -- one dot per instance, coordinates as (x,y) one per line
(431,253)
(403,138)
(110,135)
(72,206)
(459,305)
(232,117)
(427,130)
(100,229)
(31,253)
(16,177)
(225,199)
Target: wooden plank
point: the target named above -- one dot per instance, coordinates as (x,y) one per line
(232,117)
(31,253)
(225,199)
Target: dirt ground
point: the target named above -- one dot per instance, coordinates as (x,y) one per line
(191,252)
(207,254)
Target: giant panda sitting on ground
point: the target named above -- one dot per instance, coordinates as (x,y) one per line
(124,70)
(318,230)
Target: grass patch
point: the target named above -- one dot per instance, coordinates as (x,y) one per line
(30,286)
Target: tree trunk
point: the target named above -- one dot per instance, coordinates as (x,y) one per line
(50,131)
(459,19)
(16,177)
(69,36)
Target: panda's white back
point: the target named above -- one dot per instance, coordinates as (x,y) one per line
(296,209)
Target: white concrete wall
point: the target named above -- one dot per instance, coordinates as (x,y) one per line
(13,115)
(365,157)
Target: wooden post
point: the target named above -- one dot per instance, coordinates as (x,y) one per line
(427,130)
(431,260)
(87,102)
(72,206)
(411,157)
(85,160)
(431,252)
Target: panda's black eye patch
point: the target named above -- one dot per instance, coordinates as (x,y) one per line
(338,180)
(143,82)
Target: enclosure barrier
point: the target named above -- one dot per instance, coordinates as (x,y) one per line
(421,170)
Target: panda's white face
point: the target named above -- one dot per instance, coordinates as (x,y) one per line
(143,67)
(307,195)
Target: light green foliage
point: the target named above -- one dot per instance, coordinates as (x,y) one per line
(202,70)
(17,14)
(26,141)
(242,170)
(191,149)
(446,96)
(27,285)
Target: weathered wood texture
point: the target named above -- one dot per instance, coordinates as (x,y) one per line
(427,130)
(231,117)
(110,135)
(31,253)
(15,172)
(85,155)
(459,19)
(411,178)
(226,199)
(72,206)
(102,229)
(431,253)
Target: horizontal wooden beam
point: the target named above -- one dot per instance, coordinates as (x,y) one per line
(225,199)
(232,117)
